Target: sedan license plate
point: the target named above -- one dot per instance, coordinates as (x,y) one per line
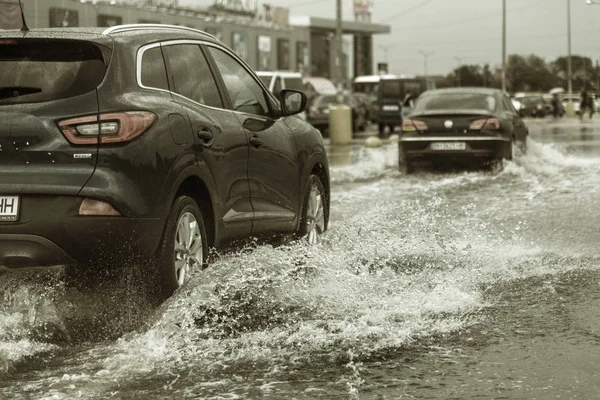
(9,208)
(448,146)
(390,108)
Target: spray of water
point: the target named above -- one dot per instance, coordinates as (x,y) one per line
(404,264)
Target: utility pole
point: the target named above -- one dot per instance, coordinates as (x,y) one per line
(425,57)
(338,43)
(459,62)
(504,46)
(570,108)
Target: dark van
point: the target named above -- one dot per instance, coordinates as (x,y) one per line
(396,97)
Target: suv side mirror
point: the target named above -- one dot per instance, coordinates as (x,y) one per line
(292,102)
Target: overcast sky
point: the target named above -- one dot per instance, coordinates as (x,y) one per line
(467,31)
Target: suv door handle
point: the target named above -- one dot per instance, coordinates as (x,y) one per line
(205,135)
(255,141)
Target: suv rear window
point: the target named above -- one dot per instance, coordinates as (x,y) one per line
(43,70)
(391,89)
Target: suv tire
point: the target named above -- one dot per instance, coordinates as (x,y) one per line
(313,219)
(184,246)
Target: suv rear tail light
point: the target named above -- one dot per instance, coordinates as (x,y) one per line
(107,128)
(97,207)
(489,124)
(411,125)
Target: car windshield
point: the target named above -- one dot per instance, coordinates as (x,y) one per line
(456,101)
(35,71)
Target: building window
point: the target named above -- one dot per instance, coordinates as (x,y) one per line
(264,53)
(10,16)
(283,54)
(108,20)
(63,17)
(302,58)
(240,44)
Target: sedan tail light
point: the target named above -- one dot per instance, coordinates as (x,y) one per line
(107,128)
(487,124)
(411,125)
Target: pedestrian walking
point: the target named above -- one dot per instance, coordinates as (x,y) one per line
(556,106)
(585,104)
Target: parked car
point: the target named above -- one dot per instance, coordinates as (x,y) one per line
(317,112)
(461,125)
(396,97)
(316,85)
(533,105)
(547,97)
(369,85)
(146,142)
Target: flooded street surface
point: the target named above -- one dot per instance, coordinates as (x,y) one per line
(463,284)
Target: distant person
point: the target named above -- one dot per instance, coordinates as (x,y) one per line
(555,106)
(585,104)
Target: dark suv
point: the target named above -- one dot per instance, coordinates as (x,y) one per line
(146,142)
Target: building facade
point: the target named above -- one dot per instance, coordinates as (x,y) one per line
(264,38)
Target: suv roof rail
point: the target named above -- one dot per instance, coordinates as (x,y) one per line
(133,27)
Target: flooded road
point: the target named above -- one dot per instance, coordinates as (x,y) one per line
(463,284)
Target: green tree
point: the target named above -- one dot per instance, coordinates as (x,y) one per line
(583,72)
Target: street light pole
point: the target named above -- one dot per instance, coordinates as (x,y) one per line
(385,49)
(425,57)
(504,46)
(570,108)
(338,42)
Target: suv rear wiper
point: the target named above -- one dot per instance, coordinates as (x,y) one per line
(16,91)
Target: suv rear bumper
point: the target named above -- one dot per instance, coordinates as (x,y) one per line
(50,232)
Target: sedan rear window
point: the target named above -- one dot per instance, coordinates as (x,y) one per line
(456,101)
(43,70)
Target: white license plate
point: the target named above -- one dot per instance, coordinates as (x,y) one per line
(9,208)
(390,108)
(448,146)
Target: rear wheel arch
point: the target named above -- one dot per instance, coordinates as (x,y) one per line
(194,187)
